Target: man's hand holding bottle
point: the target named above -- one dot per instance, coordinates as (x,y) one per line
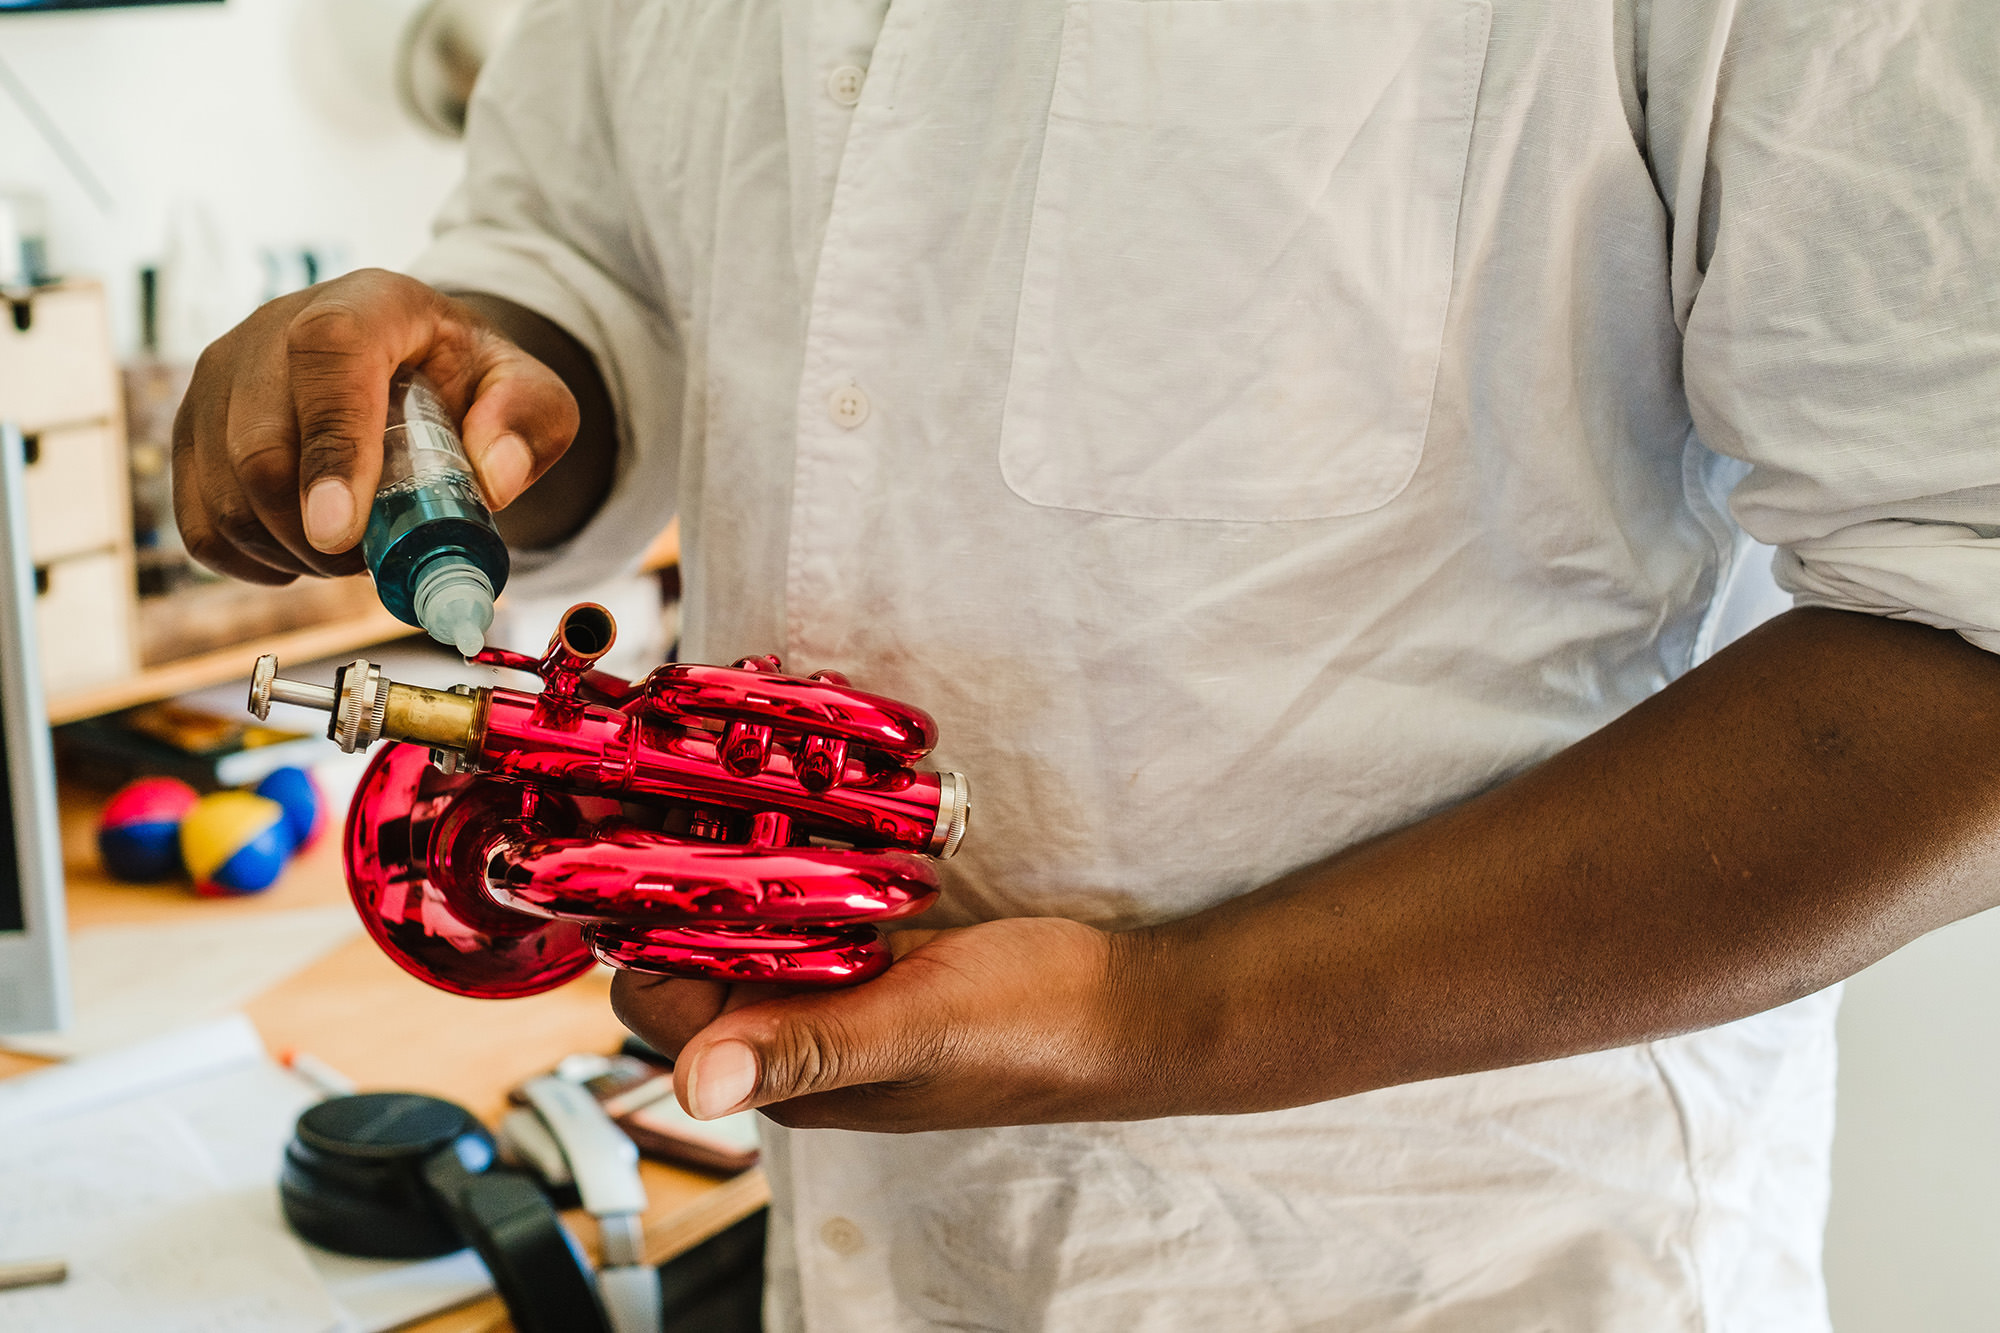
(278,444)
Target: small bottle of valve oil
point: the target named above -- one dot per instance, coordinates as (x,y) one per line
(438,560)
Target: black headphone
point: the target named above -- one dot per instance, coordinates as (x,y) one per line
(397,1175)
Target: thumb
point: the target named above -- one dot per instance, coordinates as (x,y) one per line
(800,1045)
(521,419)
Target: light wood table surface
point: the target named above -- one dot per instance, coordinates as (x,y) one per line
(383,1028)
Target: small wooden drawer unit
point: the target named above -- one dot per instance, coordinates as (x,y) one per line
(82,619)
(75,480)
(56,367)
(59,387)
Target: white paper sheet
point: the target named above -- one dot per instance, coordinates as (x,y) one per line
(381,1294)
(183,1056)
(244,1117)
(107,1161)
(103,1169)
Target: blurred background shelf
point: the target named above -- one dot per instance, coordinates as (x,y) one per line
(219,665)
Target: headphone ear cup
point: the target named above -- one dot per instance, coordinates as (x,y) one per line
(353,1179)
(397,1175)
(545,1281)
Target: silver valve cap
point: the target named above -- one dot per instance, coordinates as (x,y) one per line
(954,811)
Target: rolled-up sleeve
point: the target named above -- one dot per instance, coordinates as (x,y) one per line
(1843,336)
(543,218)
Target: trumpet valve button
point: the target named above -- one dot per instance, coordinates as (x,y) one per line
(821,759)
(745,747)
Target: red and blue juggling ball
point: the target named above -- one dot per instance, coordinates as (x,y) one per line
(235,842)
(295,789)
(139,833)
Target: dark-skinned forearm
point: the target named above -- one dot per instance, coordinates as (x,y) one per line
(571,491)
(1813,798)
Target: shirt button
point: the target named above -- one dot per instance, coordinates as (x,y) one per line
(848,406)
(843,84)
(841,1236)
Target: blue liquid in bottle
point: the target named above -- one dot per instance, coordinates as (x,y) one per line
(437,559)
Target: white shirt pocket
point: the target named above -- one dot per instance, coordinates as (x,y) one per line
(1240,255)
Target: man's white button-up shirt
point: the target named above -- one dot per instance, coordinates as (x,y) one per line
(1251,425)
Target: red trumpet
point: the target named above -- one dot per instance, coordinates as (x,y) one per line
(726,822)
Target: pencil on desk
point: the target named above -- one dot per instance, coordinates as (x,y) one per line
(330,1081)
(33,1273)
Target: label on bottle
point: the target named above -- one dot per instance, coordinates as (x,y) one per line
(434,449)
(423,448)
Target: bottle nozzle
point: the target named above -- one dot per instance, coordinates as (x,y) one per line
(454,602)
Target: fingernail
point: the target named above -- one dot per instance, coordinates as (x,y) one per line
(504,469)
(329,514)
(721,1080)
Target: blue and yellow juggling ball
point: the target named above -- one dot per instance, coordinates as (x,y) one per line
(295,789)
(139,834)
(235,842)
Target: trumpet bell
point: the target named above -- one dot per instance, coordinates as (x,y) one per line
(439,927)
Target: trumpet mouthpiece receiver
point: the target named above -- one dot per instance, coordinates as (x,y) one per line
(364,706)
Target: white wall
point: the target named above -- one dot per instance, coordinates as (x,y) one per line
(1914,1240)
(261,120)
